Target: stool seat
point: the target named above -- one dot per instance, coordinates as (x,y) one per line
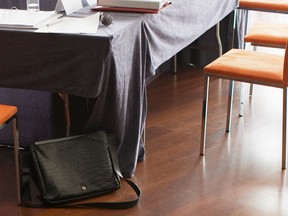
(6,112)
(265,5)
(268,35)
(236,63)
(251,67)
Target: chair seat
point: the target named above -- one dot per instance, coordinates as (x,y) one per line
(6,112)
(252,67)
(266,5)
(237,64)
(268,34)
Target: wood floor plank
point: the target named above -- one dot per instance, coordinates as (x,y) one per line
(239,175)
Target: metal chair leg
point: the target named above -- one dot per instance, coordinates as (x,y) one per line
(251,90)
(144,134)
(218,37)
(251,85)
(206,96)
(243,47)
(17,157)
(230,105)
(204,115)
(284,128)
(241,100)
(175,63)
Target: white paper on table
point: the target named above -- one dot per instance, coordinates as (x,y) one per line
(91,2)
(75,25)
(69,6)
(25,19)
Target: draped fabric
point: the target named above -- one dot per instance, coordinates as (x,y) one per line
(111,66)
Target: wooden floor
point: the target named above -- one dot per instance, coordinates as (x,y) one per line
(239,175)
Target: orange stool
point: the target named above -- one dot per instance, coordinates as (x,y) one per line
(271,6)
(277,6)
(268,35)
(7,114)
(265,34)
(251,67)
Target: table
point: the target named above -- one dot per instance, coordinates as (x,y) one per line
(112,65)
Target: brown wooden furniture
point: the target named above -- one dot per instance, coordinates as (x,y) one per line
(9,114)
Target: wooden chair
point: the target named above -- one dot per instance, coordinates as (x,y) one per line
(250,67)
(8,114)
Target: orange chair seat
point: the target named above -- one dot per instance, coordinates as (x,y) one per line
(268,34)
(237,64)
(6,112)
(267,5)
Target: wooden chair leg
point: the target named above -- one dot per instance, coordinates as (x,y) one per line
(284,128)
(67,114)
(65,98)
(204,115)
(17,157)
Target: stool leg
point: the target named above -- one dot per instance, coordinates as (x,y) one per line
(284,128)
(204,115)
(230,105)
(16,155)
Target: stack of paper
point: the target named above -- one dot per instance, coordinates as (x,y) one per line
(25,19)
(145,4)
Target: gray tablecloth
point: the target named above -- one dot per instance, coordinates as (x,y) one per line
(112,65)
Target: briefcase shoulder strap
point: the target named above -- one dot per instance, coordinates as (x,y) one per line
(113,205)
